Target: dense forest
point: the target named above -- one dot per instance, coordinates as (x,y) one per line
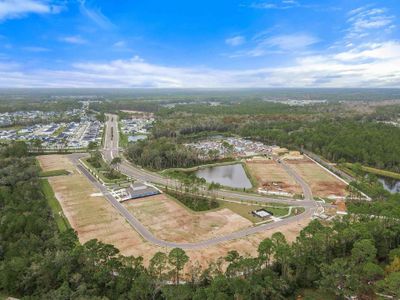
(368,143)
(336,133)
(161,154)
(358,255)
(60,105)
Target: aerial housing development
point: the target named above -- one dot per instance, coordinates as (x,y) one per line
(190,150)
(74,135)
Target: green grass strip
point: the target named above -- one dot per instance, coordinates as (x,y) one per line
(53,173)
(61,220)
(375,171)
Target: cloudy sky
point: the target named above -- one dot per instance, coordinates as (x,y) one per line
(224,43)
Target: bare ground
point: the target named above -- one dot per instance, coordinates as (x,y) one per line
(93,217)
(271,175)
(322,183)
(246,246)
(170,221)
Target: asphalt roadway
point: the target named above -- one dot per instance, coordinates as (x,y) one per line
(111,150)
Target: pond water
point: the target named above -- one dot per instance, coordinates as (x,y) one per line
(391,185)
(231,175)
(135,138)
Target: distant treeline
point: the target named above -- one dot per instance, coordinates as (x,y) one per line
(40,105)
(368,143)
(350,138)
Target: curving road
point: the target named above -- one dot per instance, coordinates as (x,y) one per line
(111,150)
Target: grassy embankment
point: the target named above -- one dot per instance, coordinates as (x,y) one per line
(225,162)
(52,173)
(253,180)
(61,221)
(245,210)
(102,172)
(123,138)
(202,204)
(103,136)
(194,202)
(375,171)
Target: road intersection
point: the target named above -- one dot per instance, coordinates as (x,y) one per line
(111,150)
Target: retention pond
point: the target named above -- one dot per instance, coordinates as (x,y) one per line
(233,176)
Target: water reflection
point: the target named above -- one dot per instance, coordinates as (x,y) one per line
(391,185)
(230,175)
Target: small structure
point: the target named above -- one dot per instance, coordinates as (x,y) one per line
(138,190)
(261,213)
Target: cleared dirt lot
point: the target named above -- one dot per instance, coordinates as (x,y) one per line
(270,175)
(246,246)
(92,216)
(89,213)
(55,162)
(322,183)
(169,220)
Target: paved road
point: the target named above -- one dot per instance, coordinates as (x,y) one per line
(127,168)
(111,150)
(111,139)
(147,235)
(307,193)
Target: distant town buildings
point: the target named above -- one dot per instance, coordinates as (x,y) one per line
(53,135)
(232,146)
(137,124)
(31,117)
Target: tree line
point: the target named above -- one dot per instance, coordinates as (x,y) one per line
(357,255)
(337,139)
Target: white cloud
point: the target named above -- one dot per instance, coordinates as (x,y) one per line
(367,65)
(278,44)
(370,62)
(73,39)
(276,4)
(290,41)
(119,44)
(365,21)
(95,15)
(12,9)
(382,51)
(35,49)
(235,41)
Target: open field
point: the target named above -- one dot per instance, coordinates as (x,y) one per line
(322,183)
(92,216)
(270,175)
(55,162)
(171,221)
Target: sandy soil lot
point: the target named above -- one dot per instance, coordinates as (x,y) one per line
(271,175)
(246,246)
(170,221)
(55,162)
(93,217)
(89,213)
(322,183)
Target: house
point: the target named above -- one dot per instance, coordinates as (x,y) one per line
(138,190)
